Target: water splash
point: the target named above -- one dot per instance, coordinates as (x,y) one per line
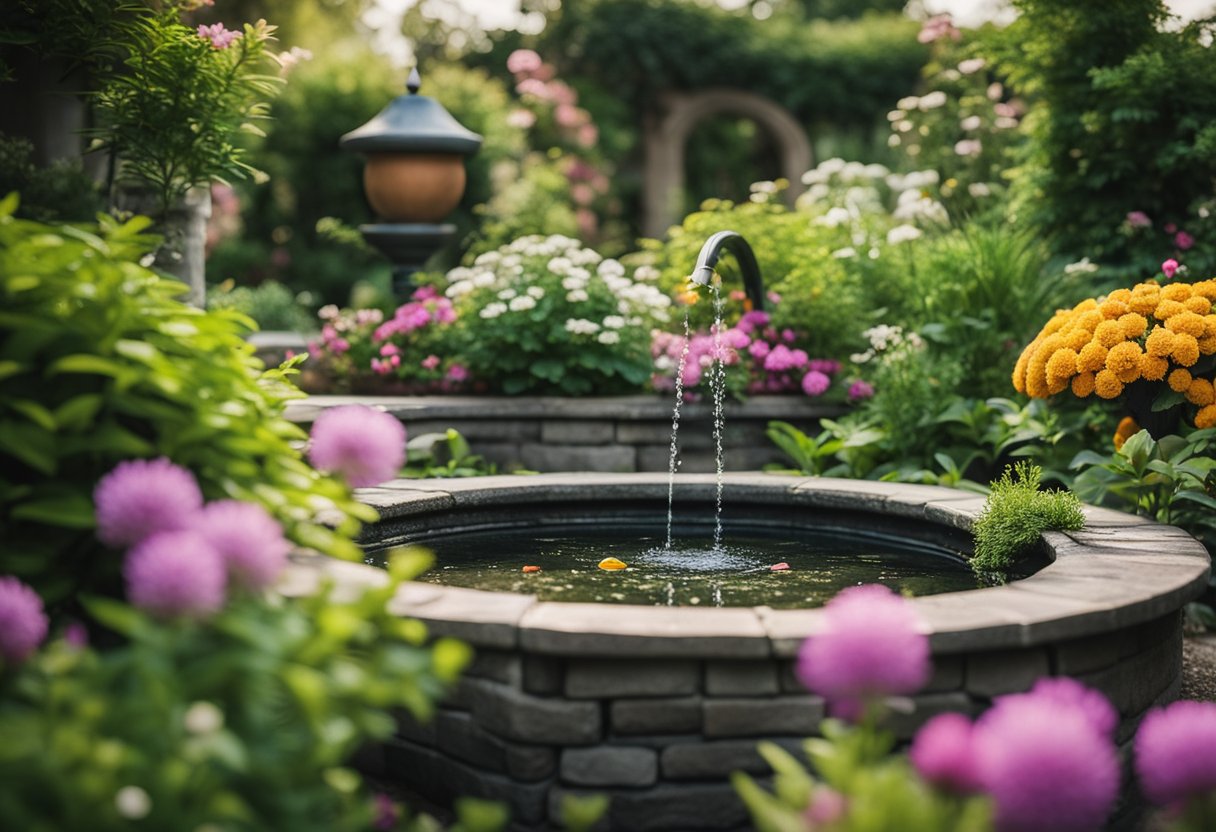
(670,592)
(673,459)
(717,380)
(715,595)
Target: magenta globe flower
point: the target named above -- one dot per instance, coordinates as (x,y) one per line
(1176,752)
(175,574)
(362,445)
(1069,693)
(249,540)
(23,621)
(142,497)
(943,753)
(815,382)
(1045,765)
(871,646)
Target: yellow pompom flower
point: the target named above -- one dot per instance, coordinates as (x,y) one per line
(1187,322)
(1152,367)
(1061,366)
(1160,342)
(1091,358)
(1209,325)
(1207,345)
(1082,385)
(1076,339)
(1124,361)
(1186,349)
(1107,385)
(1126,429)
(1176,291)
(1089,320)
(1112,309)
(1121,295)
(1108,333)
(1057,321)
(1179,380)
(1167,309)
(1143,303)
(1205,289)
(1206,417)
(1133,324)
(1198,304)
(1201,392)
(1019,369)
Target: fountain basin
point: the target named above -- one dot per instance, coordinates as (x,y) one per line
(656,705)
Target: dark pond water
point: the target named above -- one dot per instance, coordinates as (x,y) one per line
(692,572)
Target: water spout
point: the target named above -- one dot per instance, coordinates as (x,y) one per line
(731,241)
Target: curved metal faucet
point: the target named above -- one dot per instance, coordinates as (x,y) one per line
(732,241)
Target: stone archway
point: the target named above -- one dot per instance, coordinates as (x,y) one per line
(666,136)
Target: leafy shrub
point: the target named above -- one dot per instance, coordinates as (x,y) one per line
(270,304)
(1014,516)
(546,315)
(62,192)
(98,363)
(246,721)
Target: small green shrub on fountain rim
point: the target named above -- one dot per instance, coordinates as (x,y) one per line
(1016,513)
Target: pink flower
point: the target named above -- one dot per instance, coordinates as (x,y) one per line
(362,445)
(1169,268)
(1045,764)
(457,373)
(759,349)
(389,349)
(1176,752)
(781,358)
(220,37)
(735,339)
(387,813)
(938,26)
(1069,693)
(520,118)
(815,382)
(248,539)
(534,87)
(871,646)
(144,496)
(23,622)
(1183,240)
(1169,228)
(569,116)
(942,753)
(430,362)
(175,574)
(523,61)
(692,374)
(860,390)
(826,807)
(588,135)
(1138,219)
(751,321)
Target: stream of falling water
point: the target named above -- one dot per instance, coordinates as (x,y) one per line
(717,380)
(673,460)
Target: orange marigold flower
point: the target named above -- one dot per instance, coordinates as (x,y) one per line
(1086,305)
(1124,361)
(1206,417)
(1167,309)
(1198,304)
(1082,385)
(1201,392)
(1108,333)
(1160,342)
(1112,309)
(1061,366)
(1089,320)
(1205,289)
(1207,345)
(1153,367)
(1036,385)
(1121,295)
(1209,325)
(1179,380)
(1107,385)
(1176,291)
(1019,369)
(1186,349)
(1143,303)
(1133,324)
(1126,429)
(1091,358)
(1076,339)
(1058,320)
(1187,322)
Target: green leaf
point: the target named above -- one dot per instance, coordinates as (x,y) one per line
(85,363)
(72,511)
(1199,497)
(119,617)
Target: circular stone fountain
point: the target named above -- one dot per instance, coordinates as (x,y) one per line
(655,705)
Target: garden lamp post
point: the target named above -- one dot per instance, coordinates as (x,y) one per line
(414,177)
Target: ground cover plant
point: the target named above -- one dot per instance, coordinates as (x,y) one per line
(1016,513)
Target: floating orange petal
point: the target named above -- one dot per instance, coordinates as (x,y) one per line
(530,569)
(612,564)
(779,567)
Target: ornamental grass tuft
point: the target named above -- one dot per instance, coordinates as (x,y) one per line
(1016,513)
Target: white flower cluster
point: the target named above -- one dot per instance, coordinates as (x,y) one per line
(510,275)
(885,340)
(862,196)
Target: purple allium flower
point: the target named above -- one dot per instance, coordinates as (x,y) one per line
(751,321)
(23,622)
(943,753)
(1070,693)
(871,646)
(860,390)
(815,382)
(1176,752)
(144,496)
(249,540)
(387,813)
(1045,764)
(175,574)
(363,445)
(1183,240)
